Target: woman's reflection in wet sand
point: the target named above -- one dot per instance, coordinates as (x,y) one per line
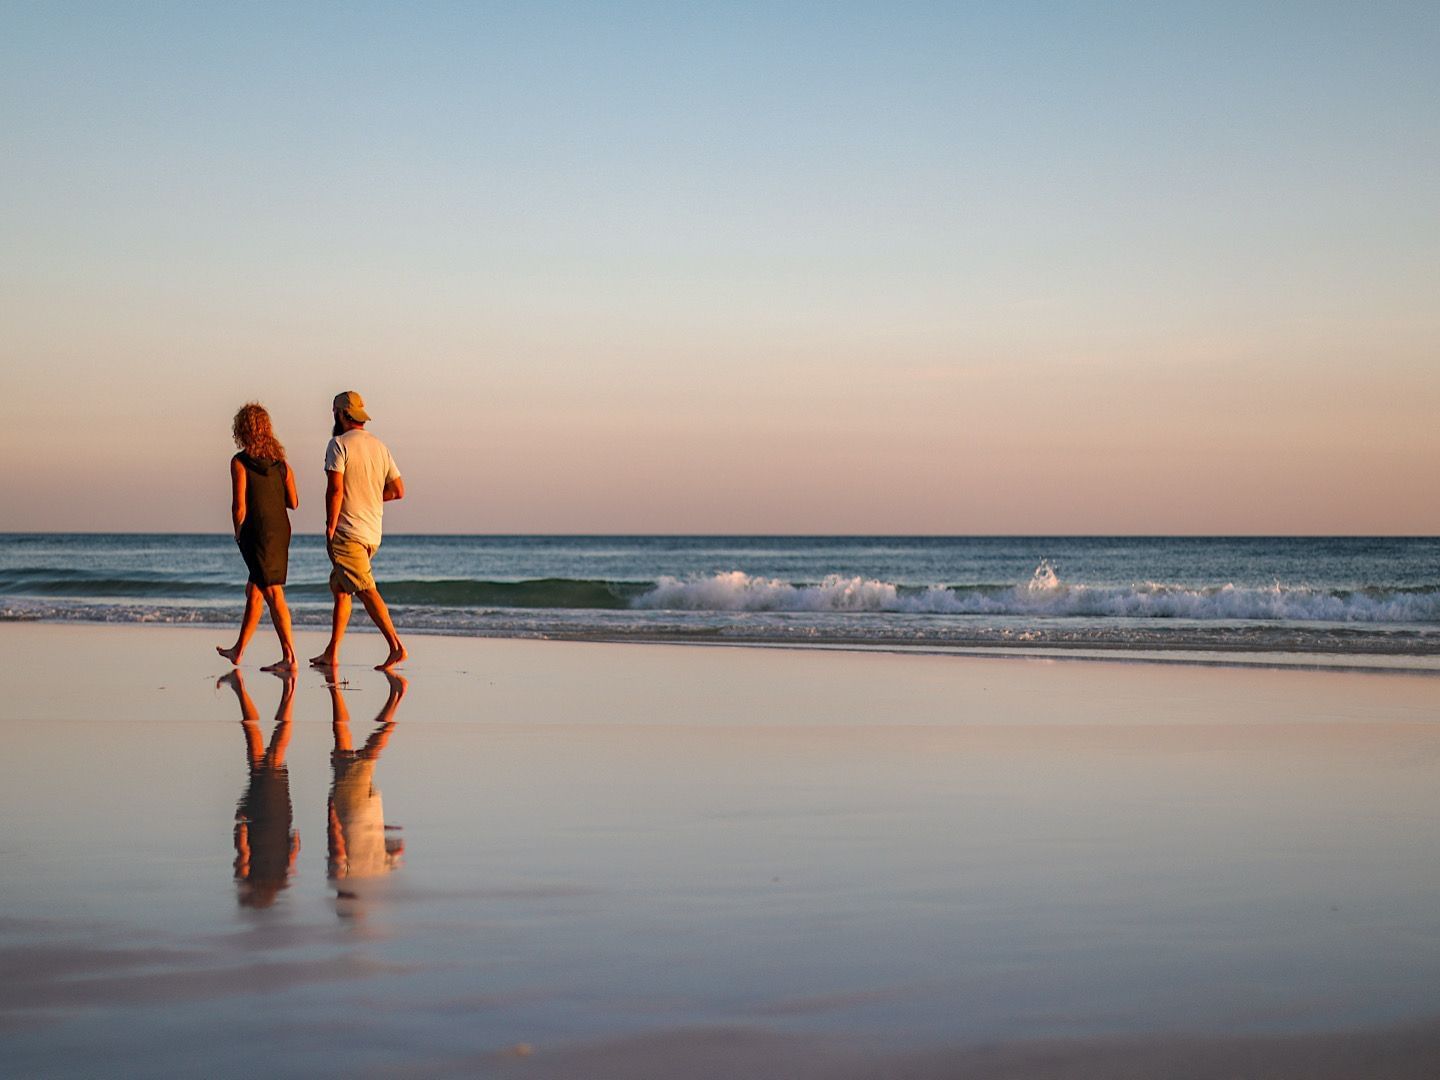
(361,845)
(265,843)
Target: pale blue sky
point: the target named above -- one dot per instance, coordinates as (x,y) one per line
(745,267)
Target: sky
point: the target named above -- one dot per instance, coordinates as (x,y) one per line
(899,268)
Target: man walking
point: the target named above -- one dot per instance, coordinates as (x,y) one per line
(360,478)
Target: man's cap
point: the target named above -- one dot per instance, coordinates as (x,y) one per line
(352,405)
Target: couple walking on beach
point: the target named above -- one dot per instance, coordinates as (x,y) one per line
(360,477)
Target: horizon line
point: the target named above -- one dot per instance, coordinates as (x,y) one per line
(770,536)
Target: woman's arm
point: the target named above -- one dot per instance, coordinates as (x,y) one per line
(237,495)
(292,497)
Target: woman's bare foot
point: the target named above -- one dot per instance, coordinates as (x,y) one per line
(232,654)
(325,659)
(397,655)
(285,664)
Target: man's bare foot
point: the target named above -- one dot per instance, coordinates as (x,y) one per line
(325,659)
(281,666)
(232,654)
(397,655)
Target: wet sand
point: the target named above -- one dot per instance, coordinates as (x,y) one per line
(551,859)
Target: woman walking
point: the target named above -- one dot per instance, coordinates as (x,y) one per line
(262,493)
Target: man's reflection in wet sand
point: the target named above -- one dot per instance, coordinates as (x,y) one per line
(265,843)
(361,846)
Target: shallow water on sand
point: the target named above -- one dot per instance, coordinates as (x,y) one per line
(542,845)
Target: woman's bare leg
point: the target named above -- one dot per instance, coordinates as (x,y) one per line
(280,616)
(249,718)
(280,738)
(248,622)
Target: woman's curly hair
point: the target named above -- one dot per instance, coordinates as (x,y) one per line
(254,435)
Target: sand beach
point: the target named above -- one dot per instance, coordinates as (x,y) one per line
(561,859)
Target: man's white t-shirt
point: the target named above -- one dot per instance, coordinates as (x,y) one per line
(366,466)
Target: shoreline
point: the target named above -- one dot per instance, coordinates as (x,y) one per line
(1219,657)
(1318,659)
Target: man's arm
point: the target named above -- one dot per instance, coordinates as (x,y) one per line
(394,489)
(334,492)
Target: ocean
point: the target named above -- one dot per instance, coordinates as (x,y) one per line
(1319,596)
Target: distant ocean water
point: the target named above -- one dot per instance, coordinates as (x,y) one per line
(1339,596)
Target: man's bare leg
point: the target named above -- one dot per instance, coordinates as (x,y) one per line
(398,685)
(385,718)
(380,615)
(339,619)
(248,622)
(339,718)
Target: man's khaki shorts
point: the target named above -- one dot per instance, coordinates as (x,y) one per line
(350,562)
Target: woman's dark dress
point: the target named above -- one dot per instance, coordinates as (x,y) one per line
(267,815)
(265,534)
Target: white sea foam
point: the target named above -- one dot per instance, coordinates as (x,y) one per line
(738,591)
(1043,595)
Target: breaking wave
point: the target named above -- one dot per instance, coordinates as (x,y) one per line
(1045,595)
